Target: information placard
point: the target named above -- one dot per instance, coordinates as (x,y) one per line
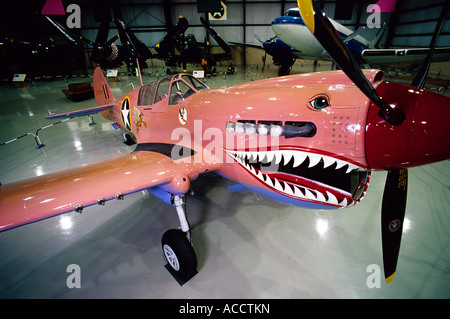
(111,73)
(198,74)
(19,77)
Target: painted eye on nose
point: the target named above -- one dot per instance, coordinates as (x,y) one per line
(320,102)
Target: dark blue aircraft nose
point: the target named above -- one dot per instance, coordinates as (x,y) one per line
(288,20)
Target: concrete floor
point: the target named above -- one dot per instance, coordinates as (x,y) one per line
(247,246)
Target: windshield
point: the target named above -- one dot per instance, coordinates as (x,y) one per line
(163,90)
(179,92)
(196,84)
(147,94)
(156,91)
(292,13)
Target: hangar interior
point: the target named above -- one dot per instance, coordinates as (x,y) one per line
(247,245)
(411,25)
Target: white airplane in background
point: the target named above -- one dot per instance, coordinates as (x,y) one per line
(291,30)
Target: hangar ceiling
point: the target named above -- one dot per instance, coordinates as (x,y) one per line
(411,25)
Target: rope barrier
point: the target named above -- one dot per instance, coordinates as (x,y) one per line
(36,136)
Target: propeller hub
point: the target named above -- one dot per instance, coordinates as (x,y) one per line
(421,139)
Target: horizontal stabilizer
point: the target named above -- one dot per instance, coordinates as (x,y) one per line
(78,113)
(252,45)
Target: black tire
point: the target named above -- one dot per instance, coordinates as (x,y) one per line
(179,253)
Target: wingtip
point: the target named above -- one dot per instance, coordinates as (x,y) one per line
(389,279)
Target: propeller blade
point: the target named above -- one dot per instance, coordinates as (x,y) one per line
(136,49)
(102,34)
(421,76)
(257,37)
(330,40)
(63,31)
(392,216)
(87,41)
(113,39)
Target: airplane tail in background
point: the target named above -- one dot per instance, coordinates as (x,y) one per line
(102,92)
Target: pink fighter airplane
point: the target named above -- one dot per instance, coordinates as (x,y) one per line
(309,140)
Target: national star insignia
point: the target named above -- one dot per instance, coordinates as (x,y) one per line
(126,118)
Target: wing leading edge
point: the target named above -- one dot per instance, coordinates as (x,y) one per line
(53,194)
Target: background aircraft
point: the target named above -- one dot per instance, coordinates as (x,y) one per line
(291,31)
(309,140)
(282,54)
(177,48)
(105,52)
(38,59)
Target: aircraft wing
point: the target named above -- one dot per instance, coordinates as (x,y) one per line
(252,45)
(302,55)
(410,55)
(52,194)
(78,113)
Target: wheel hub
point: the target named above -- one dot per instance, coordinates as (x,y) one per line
(171,258)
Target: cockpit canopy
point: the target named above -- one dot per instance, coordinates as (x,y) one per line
(177,88)
(294,12)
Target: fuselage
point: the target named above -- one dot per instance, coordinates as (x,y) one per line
(292,30)
(300,139)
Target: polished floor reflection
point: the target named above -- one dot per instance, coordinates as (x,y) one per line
(247,246)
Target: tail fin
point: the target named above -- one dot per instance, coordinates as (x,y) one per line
(102,92)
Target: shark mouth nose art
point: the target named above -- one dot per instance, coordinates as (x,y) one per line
(306,176)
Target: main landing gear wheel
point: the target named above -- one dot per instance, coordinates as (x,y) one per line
(177,247)
(179,254)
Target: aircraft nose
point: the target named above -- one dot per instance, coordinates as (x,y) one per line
(287,20)
(279,20)
(287,27)
(423,137)
(279,25)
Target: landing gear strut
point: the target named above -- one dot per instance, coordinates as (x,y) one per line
(128,139)
(177,247)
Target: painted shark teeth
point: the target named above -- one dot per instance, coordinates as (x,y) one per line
(296,158)
(285,156)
